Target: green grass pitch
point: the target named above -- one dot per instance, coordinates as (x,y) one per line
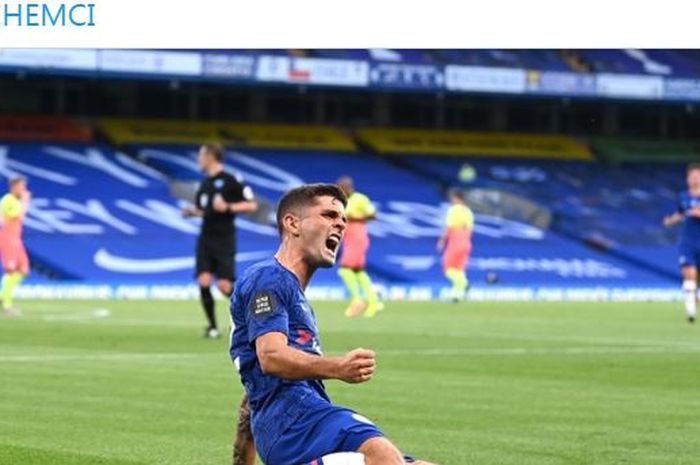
(474,383)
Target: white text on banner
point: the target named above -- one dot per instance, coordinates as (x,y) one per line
(629,86)
(353,73)
(482,79)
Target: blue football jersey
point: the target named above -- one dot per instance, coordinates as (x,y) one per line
(293,421)
(268,298)
(691,225)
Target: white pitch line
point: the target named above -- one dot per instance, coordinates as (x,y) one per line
(485,335)
(620,340)
(432,352)
(163,322)
(543,351)
(83,316)
(115,356)
(94,314)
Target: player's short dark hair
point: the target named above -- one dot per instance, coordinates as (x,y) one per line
(455,192)
(15,180)
(304,196)
(692,167)
(215,149)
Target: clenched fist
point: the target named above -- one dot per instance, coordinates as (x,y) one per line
(357,366)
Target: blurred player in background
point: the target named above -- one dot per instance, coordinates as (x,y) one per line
(219,198)
(688,212)
(15,262)
(456,243)
(353,261)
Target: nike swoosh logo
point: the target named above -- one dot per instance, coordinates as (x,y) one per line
(112,262)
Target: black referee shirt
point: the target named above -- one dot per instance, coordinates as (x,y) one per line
(232,190)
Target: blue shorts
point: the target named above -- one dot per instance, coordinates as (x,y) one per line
(688,254)
(321,432)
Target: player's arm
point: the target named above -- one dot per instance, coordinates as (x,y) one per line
(25,199)
(190,210)
(370,211)
(673,219)
(245,206)
(279,359)
(244,200)
(248,204)
(442,240)
(470,222)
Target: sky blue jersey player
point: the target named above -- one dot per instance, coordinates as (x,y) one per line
(688,213)
(276,348)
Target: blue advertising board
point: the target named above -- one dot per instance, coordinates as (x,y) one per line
(250,67)
(406,76)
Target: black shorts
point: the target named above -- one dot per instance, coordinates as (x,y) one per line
(216,255)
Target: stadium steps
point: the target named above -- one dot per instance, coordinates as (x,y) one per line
(422,167)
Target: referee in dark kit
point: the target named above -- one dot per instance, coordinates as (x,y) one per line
(219,198)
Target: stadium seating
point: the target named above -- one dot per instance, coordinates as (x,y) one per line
(548,60)
(615,206)
(401,55)
(616,209)
(674,63)
(271,172)
(411,213)
(101,215)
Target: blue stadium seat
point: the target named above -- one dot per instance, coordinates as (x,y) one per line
(618,209)
(103,216)
(411,208)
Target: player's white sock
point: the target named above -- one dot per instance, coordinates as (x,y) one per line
(689,290)
(343,458)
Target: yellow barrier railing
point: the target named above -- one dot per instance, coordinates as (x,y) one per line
(447,142)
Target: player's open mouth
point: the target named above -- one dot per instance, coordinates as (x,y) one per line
(333,242)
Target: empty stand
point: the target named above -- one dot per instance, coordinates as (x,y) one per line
(107,215)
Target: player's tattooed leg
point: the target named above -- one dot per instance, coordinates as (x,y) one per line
(243,445)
